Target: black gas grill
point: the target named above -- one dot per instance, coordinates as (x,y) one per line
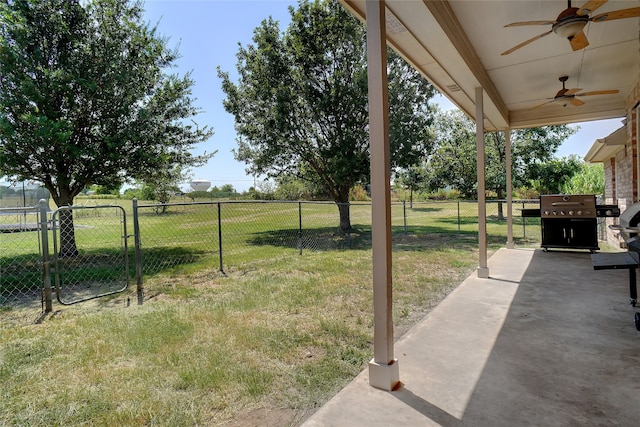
(569,221)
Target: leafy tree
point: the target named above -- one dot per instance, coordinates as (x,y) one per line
(6,191)
(412,179)
(227,188)
(454,160)
(84,98)
(163,184)
(551,176)
(266,190)
(588,180)
(101,189)
(290,188)
(453,163)
(300,105)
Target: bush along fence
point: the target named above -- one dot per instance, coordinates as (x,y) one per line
(82,252)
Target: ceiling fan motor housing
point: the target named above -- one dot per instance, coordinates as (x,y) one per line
(569,23)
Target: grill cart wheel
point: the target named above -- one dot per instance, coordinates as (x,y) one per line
(638,321)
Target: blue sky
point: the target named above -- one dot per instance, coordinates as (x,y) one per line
(207,33)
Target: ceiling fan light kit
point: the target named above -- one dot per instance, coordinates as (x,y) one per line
(561,100)
(569,27)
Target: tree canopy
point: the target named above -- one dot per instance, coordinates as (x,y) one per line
(85,99)
(588,180)
(453,162)
(300,104)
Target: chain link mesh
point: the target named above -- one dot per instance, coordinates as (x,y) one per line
(211,234)
(172,235)
(20,261)
(462,217)
(90,253)
(321,226)
(259,230)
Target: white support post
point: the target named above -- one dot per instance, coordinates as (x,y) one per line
(483,270)
(383,368)
(509,166)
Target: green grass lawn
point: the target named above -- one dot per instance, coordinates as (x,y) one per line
(278,330)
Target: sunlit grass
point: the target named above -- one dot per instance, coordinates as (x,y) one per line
(286,333)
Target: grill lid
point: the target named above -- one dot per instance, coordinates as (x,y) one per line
(631,216)
(628,223)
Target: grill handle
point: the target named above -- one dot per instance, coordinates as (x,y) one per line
(567,204)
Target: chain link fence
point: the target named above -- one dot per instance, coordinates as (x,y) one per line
(84,252)
(20,260)
(40,255)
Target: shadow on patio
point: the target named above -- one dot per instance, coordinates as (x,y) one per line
(546,340)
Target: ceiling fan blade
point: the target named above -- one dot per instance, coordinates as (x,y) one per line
(577,102)
(590,6)
(598,92)
(523,23)
(617,14)
(531,40)
(579,41)
(572,91)
(542,105)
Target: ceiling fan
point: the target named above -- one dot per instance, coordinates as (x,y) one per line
(566,96)
(571,22)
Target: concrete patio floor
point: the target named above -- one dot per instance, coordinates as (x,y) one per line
(545,341)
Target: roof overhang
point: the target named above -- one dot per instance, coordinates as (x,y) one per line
(457,46)
(605,148)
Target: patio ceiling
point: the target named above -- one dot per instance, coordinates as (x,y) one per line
(457,45)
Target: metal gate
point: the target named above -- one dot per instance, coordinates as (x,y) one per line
(90,256)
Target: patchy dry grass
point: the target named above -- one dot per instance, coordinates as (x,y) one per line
(267,344)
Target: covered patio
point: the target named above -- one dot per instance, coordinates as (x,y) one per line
(545,341)
(532,337)
(502,63)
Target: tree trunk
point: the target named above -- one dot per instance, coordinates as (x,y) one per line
(500,211)
(345,217)
(411,197)
(64,197)
(68,248)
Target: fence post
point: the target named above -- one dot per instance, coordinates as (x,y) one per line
(220,236)
(524,227)
(349,230)
(458,217)
(138,250)
(404,215)
(300,227)
(46,266)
